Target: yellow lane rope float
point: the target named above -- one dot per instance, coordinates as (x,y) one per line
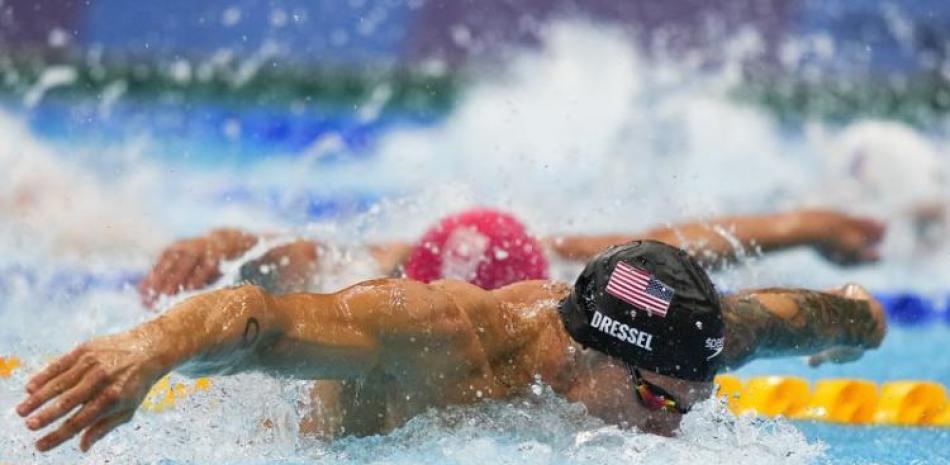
(164,394)
(851,401)
(8,365)
(845,400)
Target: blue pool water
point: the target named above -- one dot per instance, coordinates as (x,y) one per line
(854,445)
(609,140)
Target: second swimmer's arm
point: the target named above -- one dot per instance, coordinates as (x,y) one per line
(292,267)
(783,322)
(840,238)
(285,268)
(194,263)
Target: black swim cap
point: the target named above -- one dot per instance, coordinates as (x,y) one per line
(651,305)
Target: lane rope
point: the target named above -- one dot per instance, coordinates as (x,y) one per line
(838,400)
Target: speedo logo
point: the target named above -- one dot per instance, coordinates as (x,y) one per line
(624,332)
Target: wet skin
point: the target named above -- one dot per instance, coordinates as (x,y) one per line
(414,346)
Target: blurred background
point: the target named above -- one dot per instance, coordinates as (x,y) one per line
(127,125)
(228,84)
(224,85)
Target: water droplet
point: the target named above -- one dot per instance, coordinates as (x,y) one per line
(231,16)
(57,38)
(278,18)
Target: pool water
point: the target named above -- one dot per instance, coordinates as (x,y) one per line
(853,445)
(608,140)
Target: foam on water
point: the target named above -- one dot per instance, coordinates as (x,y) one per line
(588,117)
(49,205)
(226,426)
(585,134)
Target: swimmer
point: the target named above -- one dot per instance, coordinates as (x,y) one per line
(491,249)
(889,168)
(636,340)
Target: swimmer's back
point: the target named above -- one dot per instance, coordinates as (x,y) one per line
(517,329)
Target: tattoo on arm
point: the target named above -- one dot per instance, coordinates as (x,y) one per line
(813,321)
(251,332)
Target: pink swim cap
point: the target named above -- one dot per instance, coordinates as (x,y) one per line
(485,247)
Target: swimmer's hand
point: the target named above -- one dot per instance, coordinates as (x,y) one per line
(107,378)
(193,263)
(845,354)
(844,239)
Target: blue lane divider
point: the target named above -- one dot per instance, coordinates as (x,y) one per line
(259,131)
(910,309)
(63,283)
(302,206)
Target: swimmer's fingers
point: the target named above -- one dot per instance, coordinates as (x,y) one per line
(850,257)
(835,355)
(148,290)
(848,240)
(204,273)
(52,370)
(870,255)
(87,415)
(90,387)
(151,287)
(173,281)
(103,427)
(874,230)
(53,388)
(168,276)
(872,233)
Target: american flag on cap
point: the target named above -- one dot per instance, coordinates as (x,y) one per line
(640,289)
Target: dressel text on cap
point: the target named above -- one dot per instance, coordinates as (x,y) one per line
(622,331)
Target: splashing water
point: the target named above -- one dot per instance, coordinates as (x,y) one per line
(584,135)
(540,428)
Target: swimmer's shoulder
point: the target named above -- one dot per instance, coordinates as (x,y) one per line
(532,292)
(509,317)
(515,294)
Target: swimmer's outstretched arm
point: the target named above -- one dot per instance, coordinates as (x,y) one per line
(840,238)
(836,326)
(384,323)
(194,263)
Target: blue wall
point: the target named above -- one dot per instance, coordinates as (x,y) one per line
(361,31)
(324,30)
